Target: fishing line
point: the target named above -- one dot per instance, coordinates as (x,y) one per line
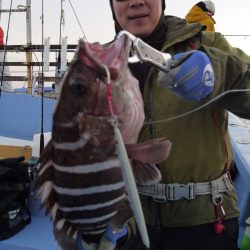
(61,22)
(109,96)
(84,36)
(5,46)
(198,108)
(237,35)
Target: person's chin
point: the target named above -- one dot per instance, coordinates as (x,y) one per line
(139,31)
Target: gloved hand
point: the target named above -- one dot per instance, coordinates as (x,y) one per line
(191,76)
(111,236)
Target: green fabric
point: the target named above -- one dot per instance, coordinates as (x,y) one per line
(201,149)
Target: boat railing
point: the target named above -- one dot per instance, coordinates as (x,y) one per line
(33,48)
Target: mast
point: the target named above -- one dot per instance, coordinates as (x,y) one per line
(27,9)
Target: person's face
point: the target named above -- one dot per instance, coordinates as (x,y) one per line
(139,17)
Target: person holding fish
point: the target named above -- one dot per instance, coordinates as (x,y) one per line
(167,118)
(195,205)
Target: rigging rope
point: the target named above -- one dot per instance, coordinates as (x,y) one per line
(5,47)
(84,36)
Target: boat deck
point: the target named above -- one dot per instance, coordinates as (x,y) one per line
(240,137)
(39,234)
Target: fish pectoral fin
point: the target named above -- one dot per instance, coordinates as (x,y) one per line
(152,151)
(144,156)
(146,173)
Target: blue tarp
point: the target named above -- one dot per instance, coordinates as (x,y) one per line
(20,115)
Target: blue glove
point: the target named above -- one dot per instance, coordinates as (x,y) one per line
(108,240)
(191,76)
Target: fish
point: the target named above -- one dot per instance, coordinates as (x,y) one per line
(80,181)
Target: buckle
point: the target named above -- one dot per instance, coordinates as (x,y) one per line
(181,191)
(160,193)
(217,199)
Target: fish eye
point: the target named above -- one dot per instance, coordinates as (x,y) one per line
(78,87)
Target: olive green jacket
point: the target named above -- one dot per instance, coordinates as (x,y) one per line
(201,149)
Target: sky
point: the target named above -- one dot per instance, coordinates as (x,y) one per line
(232,18)
(95,19)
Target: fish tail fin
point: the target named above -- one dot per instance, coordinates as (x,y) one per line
(64,240)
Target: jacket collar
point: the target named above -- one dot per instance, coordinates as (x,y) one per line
(178,30)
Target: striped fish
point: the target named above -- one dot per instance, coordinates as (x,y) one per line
(79,179)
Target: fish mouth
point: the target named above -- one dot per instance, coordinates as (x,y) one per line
(95,56)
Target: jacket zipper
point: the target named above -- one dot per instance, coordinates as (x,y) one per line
(152,135)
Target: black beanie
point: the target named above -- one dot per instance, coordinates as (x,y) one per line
(202,5)
(112,9)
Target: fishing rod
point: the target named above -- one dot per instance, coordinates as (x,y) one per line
(58,56)
(42,94)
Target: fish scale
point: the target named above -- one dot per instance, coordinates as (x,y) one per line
(87,195)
